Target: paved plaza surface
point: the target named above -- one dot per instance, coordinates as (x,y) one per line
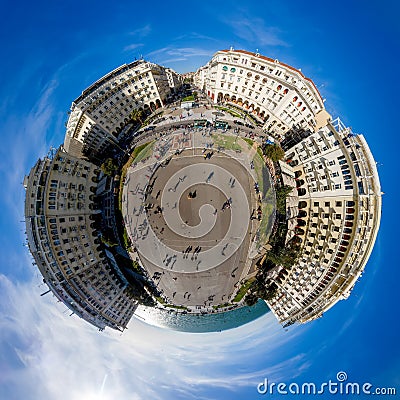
(189,211)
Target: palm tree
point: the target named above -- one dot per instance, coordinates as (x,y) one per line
(137,115)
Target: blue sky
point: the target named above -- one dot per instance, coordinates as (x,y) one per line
(51,51)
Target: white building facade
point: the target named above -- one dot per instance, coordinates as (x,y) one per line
(339,215)
(64,243)
(274,93)
(101,112)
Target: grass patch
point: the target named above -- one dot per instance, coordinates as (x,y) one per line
(160,300)
(269,201)
(249,142)
(226,141)
(229,111)
(177,307)
(243,290)
(221,306)
(144,152)
(136,151)
(188,98)
(267,210)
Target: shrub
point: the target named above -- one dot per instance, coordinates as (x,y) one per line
(274,152)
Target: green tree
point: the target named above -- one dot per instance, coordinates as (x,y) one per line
(281,194)
(137,115)
(109,167)
(251,299)
(274,152)
(283,256)
(270,293)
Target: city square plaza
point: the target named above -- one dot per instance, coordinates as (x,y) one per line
(193,207)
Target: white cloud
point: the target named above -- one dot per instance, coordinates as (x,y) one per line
(66,358)
(180,52)
(196,36)
(172,60)
(30,128)
(181,58)
(142,31)
(25,138)
(255,32)
(133,46)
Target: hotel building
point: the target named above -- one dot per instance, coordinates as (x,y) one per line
(274,93)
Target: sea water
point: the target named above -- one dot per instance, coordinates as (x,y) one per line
(201,323)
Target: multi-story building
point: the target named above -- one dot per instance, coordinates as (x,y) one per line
(199,78)
(174,79)
(338,220)
(276,94)
(335,214)
(103,109)
(59,215)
